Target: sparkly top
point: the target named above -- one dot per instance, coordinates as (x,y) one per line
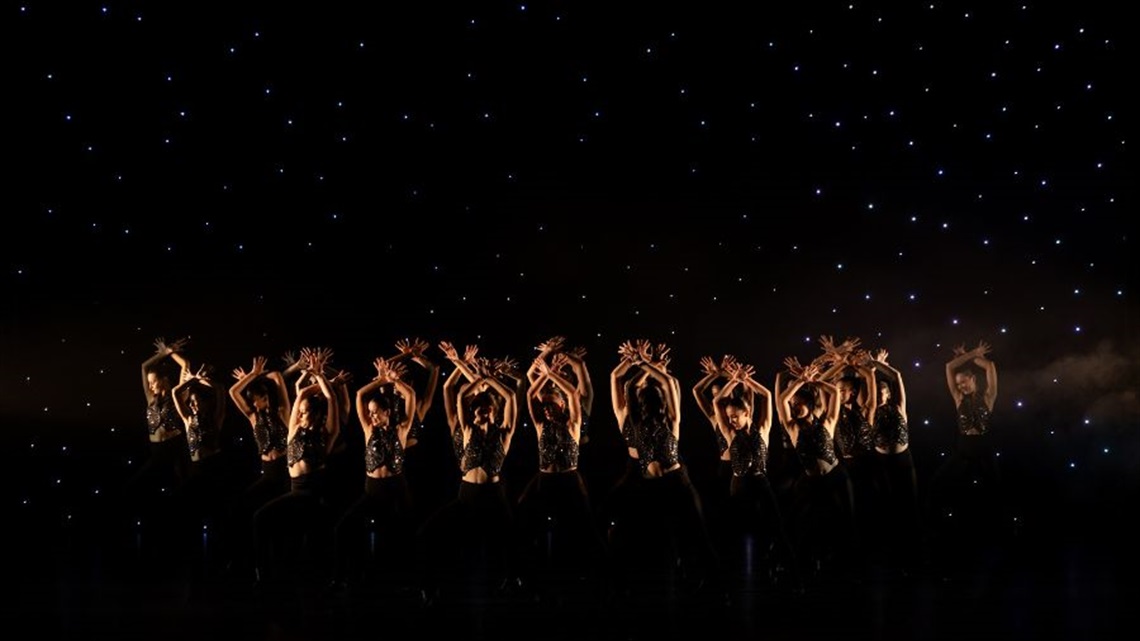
(202,437)
(557,448)
(890,427)
(383,448)
(748,453)
(308,445)
(654,441)
(973,415)
(814,443)
(485,450)
(853,433)
(457,443)
(721,443)
(269,432)
(160,414)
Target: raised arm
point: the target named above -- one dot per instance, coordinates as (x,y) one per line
(784,393)
(571,393)
(869,395)
(720,418)
(961,357)
(669,386)
(424,401)
(981,360)
(701,388)
(452,388)
(179,399)
(380,380)
(408,393)
(183,364)
(162,349)
(764,421)
(585,385)
(618,394)
(237,390)
(880,363)
(831,405)
(510,404)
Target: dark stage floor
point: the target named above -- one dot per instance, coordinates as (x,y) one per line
(1055,563)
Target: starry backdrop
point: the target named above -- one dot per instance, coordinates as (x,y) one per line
(723,178)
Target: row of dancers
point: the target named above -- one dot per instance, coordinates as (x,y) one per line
(815,475)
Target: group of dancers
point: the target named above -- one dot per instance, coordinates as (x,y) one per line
(815,476)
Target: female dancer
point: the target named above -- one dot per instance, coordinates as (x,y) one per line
(892,447)
(558,522)
(263,398)
(754,503)
(313,427)
(665,512)
(384,509)
(482,416)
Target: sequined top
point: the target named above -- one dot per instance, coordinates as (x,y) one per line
(308,444)
(585,424)
(973,415)
(628,433)
(853,433)
(721,443)
(557,448)
(485,450)
(383,449)
(654,441)
(160,415)
(270,433)
(890,428)
(815,444)
(202,437)
(748,453)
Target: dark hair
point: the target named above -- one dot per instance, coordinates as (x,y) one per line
(808,395)
(486,399)
(649,401)
(318,409)
(261,386)
(206,396)
(882,381)
(855,382)
(383,401)
(739,402)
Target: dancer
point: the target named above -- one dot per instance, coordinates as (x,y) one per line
(482,416)
(662,512)
(380,520)
(313,427)
(892,447)
(754,507)
(263,399)
(558,522)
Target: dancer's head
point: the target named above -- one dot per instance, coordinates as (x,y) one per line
(848,390)
(737,411)
(259,394)
(484,408)
(312,410)
(650,397)
(803,402)
(379,411)
(157,382)
(552,402)
(966,381)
